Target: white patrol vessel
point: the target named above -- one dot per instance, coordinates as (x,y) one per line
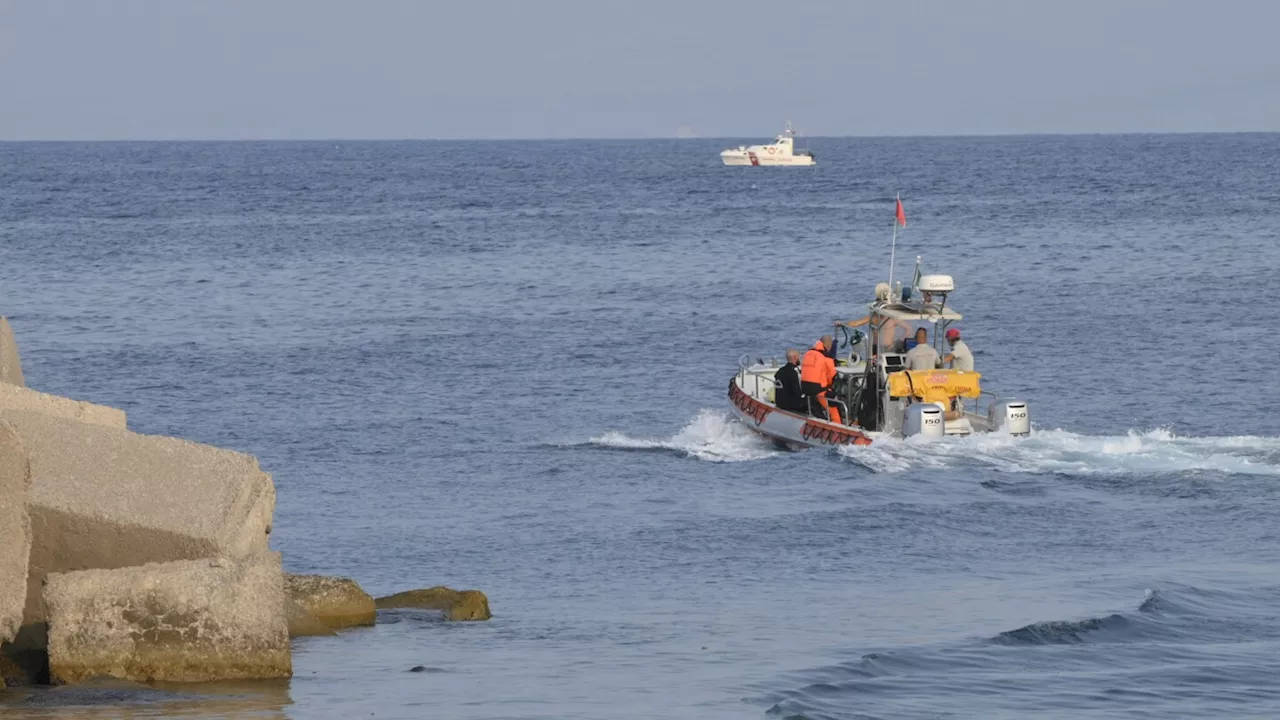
(780,152)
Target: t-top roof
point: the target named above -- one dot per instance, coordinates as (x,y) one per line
(917,312)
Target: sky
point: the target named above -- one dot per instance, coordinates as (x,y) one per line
(321,69)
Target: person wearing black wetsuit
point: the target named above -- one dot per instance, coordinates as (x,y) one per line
(787,394)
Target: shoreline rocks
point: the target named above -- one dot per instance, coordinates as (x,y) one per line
(145,558)
(15,397)
(303,623)
(337,602)
(15,531)
(10,363)
(457,605)
(109,498)
(184,621)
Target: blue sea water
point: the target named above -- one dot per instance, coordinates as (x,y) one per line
(502,365)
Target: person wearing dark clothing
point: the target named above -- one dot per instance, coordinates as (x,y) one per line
(786,383)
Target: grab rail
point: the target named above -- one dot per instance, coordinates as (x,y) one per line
(744,364)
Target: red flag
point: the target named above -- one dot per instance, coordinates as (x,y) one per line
(902,215)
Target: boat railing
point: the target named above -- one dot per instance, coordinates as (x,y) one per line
(745,363)
(976,405)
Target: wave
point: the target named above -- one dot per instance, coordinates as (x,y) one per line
(1181,645)
(1061,451)
(1068,632)
(711,435)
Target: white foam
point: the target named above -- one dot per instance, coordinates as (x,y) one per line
(711,435)
(1136,452)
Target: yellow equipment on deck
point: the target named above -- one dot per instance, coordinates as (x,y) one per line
(935,386)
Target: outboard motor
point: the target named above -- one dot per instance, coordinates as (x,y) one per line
(924,419)
(1011,416)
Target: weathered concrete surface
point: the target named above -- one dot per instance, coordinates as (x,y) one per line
(108,498)
(14,397)
(456,604)
(337,602)
(303,623)
(15,531)
(185,621)
(10,363)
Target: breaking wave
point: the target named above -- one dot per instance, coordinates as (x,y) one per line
(711,435)
(1060,451)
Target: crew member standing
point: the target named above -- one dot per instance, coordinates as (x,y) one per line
(922,356)
(817,372)
(787,394)
(959,357)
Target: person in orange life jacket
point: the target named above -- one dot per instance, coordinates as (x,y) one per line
(787,394)
(817,371)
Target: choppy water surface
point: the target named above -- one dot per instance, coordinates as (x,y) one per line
(503,366)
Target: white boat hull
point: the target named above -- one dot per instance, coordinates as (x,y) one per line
(764,158)
(794,430)
(797,431)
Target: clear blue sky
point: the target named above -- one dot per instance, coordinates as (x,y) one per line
(166,69)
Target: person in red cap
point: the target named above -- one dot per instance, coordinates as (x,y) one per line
(959,358)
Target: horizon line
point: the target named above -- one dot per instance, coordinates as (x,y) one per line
(1125,133)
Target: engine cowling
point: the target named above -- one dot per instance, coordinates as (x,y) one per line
(1010,416)
(924,419)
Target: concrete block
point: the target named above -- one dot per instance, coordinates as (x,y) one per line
(15,397)
(10,363)
(185,621)
(337,602)
(109,498)
(15,530)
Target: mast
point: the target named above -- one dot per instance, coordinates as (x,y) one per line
(893,246)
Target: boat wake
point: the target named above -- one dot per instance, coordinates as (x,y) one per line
(1060,451)
(712,435)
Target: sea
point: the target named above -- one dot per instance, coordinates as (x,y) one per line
(504,365)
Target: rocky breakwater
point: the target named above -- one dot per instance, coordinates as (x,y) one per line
(15,531)
(96,520)
(182,621)
(146,558)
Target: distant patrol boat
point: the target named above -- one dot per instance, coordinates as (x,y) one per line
(779,152)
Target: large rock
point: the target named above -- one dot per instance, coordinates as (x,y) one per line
(10,363)
(303,623)
(14,397)
(337,602)
(109,498)
(455,604)
(15,531)
(186,621)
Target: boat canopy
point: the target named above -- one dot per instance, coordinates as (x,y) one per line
(914,312)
